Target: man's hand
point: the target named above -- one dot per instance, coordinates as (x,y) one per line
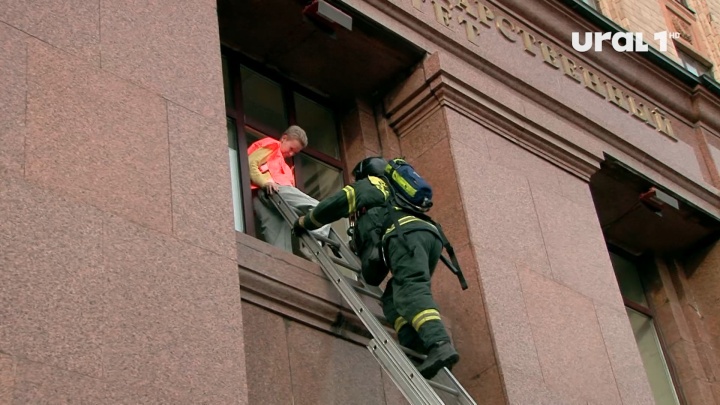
(271,187)
(298,227)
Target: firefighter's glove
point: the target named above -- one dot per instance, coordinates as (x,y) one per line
(298,227)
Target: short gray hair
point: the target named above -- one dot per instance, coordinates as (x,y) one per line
(295,132)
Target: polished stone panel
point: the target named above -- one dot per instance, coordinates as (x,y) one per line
(468,132)
(325,370)
(393,396)
(539,172)
(7,378)
(70,25)
(570,345)
(501,213)
(200,181)
(97,138)
(13,70)
(576,247)
(625,359)
(425,135)
(174,317)
(170,48)
(509,319)
(270,381)
(38,383)
(52,279)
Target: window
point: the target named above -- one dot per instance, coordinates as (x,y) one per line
(591,3)
(684,3)
(640,315)
(260,104)
(691,64)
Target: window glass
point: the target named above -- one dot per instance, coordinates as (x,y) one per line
(691,64)
(643,327)
(692,69)
(262,102)
(652,357)
(628,279)
(319,124)
(591,3)
(253,136)
(228,84)
(235,175)
(320,181)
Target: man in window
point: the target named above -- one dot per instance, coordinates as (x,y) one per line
(270,172)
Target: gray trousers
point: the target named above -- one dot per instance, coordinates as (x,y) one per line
(274,227)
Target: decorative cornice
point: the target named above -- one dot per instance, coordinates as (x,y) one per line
(443,89)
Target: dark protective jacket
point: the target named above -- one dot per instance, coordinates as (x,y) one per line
(367,197)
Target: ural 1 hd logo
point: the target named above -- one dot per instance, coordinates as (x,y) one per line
(621,41)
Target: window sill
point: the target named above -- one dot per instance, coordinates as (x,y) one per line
(296,288)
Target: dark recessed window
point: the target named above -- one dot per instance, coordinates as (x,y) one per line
(591,3)
(260,103)
(627,271)
(693,65)
(684,3)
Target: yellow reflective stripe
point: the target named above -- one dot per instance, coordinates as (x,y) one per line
(424,316)
(350,195)
(403,183)
(429,318)
(313,220)
(380,185)
(399,323)
(404,220)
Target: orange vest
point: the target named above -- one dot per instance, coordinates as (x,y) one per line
(280,172)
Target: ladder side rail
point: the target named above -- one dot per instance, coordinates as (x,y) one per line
(403,373)
(463,396)
(345,251)
(406,388)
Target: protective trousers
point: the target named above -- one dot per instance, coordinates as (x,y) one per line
(275,229)
(407,300)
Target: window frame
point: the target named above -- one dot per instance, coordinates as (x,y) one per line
(234,60)
(685,4)
(592,3)
(687,55)
(646,262)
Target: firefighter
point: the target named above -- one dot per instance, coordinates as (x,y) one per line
(407,300)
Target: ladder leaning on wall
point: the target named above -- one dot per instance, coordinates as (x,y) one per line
(443,388)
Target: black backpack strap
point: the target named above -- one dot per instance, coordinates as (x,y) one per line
(451,263)
(391,219)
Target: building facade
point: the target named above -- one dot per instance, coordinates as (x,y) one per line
(579,189)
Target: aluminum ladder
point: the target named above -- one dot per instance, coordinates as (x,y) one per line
(443,388)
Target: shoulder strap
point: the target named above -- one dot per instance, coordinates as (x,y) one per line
(453,264)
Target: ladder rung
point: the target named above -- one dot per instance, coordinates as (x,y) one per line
(364,291)
(328,241)
(445,388)
(412,353)
(344,264)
